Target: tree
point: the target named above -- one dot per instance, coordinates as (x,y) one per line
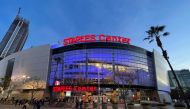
(7,88)
(157,32)
(1,85)
(125,78)
(34,84)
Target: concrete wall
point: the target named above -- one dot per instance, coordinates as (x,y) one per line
(30,64)
(161,68)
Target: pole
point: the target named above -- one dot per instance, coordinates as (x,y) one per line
(98,88)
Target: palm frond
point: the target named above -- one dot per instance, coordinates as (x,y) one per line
(151,40)
(156,29)
(166,34)
(152,28)
(147,38)
(161,28)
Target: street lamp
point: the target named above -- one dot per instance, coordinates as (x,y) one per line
(99,67)
(24,78)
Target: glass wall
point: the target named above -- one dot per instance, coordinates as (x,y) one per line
(112,66)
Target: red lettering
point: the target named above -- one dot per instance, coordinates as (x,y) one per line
(74,88)
(79,89)
(108,38)
(65,42)
(119,39)
(67,88)
(88,38)
(62,88)
(56,89)
(72,40)
(78,39)
(70,88)
(82,39)
(83,89)
(92,38)
(95,88)
(101,37)
(126,40)
(91,89)
(114,38)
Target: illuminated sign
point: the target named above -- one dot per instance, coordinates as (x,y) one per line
(93,38)
(74,88)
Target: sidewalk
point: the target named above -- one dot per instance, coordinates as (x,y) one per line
(72,106)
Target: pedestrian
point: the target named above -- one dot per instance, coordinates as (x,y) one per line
(35,104)
(81,103)
(25,105)
(77,104)
(38,104)
(16,102)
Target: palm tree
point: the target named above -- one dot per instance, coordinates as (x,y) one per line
(157,32)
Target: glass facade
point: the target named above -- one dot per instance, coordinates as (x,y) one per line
(183,77)
(110,65)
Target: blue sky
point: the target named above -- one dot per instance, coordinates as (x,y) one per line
(53,20)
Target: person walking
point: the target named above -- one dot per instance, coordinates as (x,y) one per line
(16,102)
(77,104)
(38,104)
(81,103)
(25,105)
(35,104)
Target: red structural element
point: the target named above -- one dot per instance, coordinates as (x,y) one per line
(93,38)
(74,88)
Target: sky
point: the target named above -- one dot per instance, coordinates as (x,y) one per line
(53,20)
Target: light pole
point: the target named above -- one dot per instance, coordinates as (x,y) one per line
(24,77)
(99,67)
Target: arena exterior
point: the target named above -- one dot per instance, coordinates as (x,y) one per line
(87,65)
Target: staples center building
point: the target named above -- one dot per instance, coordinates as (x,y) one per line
(89,63)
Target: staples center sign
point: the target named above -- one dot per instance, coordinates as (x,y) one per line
(94,38)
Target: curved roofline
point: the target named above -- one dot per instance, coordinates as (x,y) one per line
(91,45)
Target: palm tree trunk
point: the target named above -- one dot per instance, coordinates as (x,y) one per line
(175,77)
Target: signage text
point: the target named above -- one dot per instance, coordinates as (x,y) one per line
(93,38)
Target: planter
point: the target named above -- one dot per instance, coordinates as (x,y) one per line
(146,106)
(162,106)
(179,105)
(114,106)
(130,107)
(95,105)
(104,106)
(86,105)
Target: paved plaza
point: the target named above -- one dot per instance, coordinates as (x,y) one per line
(121,106)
